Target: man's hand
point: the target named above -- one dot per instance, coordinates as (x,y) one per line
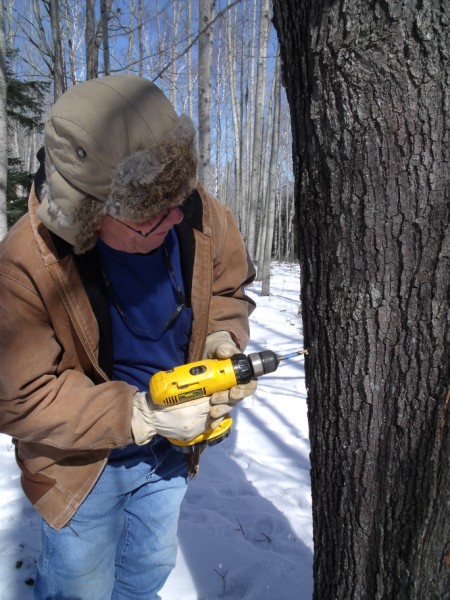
(224,401)
(220,345)
(182,422)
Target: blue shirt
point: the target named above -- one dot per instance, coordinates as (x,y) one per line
(143,296)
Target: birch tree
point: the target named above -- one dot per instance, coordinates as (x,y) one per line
(3,127)
(269,216)
(236,110)
(105,8)
(140,39)
(173,72)
(92,41)
(59,79)
(257,152)
(204,90)
(190,77)
(71,46)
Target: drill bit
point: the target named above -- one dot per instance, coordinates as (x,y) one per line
(292,354)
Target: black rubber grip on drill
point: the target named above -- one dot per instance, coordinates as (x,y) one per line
(242,368)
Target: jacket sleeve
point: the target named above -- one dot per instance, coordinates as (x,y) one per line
(232,272)
(45,395)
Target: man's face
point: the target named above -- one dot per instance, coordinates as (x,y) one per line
(138,238)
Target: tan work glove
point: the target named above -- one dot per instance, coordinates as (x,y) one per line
(185,421)
(219,345)
(182,422)
(224,401)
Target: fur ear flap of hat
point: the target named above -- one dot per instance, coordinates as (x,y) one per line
(115,146)
(151,181)
(71,214)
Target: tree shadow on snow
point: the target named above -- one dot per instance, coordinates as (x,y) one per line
(234,542)
(19,531)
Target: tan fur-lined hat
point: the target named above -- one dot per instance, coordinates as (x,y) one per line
(114,146)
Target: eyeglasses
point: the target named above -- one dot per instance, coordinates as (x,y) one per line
(145,235)
(181,301)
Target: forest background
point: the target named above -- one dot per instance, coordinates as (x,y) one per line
(216,61)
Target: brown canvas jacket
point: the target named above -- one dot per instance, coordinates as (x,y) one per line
(56,401)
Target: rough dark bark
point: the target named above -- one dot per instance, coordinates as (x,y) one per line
(366,83)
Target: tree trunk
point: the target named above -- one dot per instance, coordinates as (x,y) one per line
(105,8)
(247,91)
(257,151)
(59,80)
(140,38)
(3,127)
(190,78)
(366,83)
(173,72)
(69,39)
(204,92)
(130,40)
(92,41)
(269,217)
(231,56)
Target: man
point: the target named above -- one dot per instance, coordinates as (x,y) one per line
(123,266)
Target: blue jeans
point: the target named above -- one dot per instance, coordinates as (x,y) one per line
(122,541)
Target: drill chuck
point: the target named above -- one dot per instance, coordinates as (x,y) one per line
(264,362)
(254,365)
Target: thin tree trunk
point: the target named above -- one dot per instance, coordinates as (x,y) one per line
(140,28)
(204,91)
(290,210)
(248,95)
(368,91)
(255,176)
(91,41)
(70,44)
(264,193)
(235,106)
(105,7)
(131,40)
(59,80)
(272,184)
(190,95)
(173,74)
(12,135)
(3,127)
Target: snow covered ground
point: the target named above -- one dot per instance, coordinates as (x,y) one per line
(246,528)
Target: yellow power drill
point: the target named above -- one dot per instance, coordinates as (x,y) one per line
(204,378)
